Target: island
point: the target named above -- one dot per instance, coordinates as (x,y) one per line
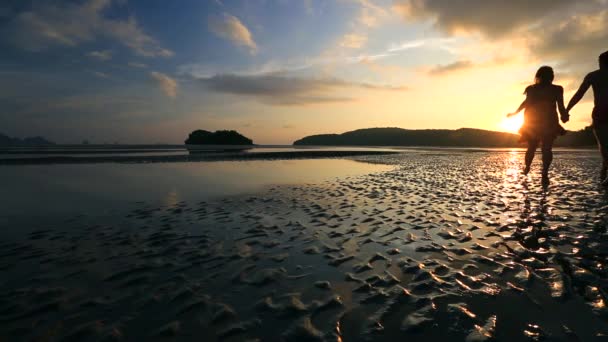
(6,141)
(202,137)
(201,140)
(463,137)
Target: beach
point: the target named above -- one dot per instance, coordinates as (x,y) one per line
(425,245)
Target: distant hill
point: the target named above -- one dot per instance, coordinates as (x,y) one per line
(582,138)
(6,141)
(202,137)
(463,137)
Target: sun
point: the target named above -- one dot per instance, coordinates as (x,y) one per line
(513,123)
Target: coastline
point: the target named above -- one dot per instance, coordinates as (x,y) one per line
(199,157)
(151,154)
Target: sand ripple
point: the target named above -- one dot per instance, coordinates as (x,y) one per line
(444,247)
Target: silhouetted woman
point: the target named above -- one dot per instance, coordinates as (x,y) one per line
(541,125)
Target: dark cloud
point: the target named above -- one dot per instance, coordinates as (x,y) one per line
(569,32)
(452,67)
(489,17)
(285,90)
(576,41)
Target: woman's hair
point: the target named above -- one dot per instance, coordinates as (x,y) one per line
(544,75)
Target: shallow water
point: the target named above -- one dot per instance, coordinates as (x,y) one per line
(35,192)
(439,246)
(83,151)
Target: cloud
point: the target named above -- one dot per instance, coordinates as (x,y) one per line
(370,13)
(489,17)
(369,16)
(568,34)
(70,24)
(100,74)
(167,84)
(130,34)
(576,39)
(301,63)
(104,55)
(353,41)
(231,28)
(452,67)
(438,43)
(279,89)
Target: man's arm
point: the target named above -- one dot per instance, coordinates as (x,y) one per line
(579,93)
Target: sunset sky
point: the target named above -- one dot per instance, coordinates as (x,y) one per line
(147,71)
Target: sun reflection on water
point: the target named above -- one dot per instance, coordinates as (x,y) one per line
(172,198)
(512,165)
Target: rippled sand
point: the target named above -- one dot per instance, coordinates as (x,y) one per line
(444,247)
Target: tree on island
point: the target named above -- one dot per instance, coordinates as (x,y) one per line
(202,137)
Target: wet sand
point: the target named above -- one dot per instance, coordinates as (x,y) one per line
(444,246)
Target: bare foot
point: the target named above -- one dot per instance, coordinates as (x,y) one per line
(526,170)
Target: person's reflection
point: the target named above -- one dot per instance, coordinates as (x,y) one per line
(530,228)
(601,224)
(525,213)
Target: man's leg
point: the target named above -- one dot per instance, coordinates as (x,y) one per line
(601,135)
(604,171)
(532,146)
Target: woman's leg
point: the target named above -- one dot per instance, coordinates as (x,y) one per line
(547,155)
(532,146)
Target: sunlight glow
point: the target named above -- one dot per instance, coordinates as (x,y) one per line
(513,123)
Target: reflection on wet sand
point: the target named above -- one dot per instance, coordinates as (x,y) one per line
(458,245)
(84,188)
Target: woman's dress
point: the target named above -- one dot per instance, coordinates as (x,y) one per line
(541,121)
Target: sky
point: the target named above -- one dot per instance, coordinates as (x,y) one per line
(151,71)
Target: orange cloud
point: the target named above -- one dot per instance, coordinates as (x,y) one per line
(167,84)
(231,28)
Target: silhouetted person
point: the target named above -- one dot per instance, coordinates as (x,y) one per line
(598,80)
(541,124)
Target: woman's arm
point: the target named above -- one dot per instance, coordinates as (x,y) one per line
(560,106)
(519,109)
